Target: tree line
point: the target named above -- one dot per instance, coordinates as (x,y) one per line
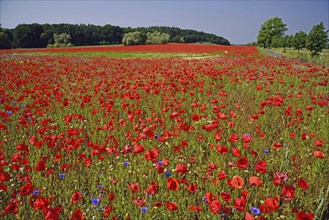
(271,35)
(42,35)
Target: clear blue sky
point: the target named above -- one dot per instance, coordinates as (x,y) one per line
(237,21)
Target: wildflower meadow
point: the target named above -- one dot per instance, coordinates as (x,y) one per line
(232,135)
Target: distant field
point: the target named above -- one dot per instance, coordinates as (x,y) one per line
(168,50)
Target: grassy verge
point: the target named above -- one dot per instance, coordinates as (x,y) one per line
(304,55)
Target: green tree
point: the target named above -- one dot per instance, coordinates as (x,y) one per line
(317,39)
(299,40)
(278,41)
(28,36)
(273,27)
(157,38)
(62,39)
(288,41)
(5,42)
(132,38)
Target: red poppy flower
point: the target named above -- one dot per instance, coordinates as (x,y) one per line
(171,206)
(134,187)
(87,162)
(302,215)
(26,189)
(140,202)
(152,189)
(246,138)
(218,137)
(319,143)
(288,192)
(222,149)
(152,154)
(233,138)
(12,207)
(52,213)
(40,203)
(277,146)
(157,204)
(138,148)
(215,206)
(270,205)
(242,163)
(226,196)
(240,204)
(303,184)
(255,181)
(41,166)
(249,216)
(107,210)
(76,197)
(319,154)
(209,197)
(192,188)
(194,208)
(172,184)
(77,215)
(236,182)
(111,197)
(195,117)
(261,166)
(236,152)
(181,168)
(174,115)
(221,175)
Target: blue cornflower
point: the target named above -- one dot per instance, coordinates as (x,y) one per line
(160,162)
(36,192)
(248,134)
(156,136)
(95,201)
(14,103)
(144,209)
(255,211)
(167,174)
(62,175)
(23,106)
(100,187)
(9,113)
(266,151)
(204,199)
(125,163)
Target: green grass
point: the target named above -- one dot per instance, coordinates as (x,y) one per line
(304,55)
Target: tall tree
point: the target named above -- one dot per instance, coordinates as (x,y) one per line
(28,36)
(299,40)
(274,27)
(5,41)
(317,39)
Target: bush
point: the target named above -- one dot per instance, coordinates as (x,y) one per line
(50,46)
(157,38)
(132,38)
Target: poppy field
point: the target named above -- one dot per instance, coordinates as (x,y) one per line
(226,137)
